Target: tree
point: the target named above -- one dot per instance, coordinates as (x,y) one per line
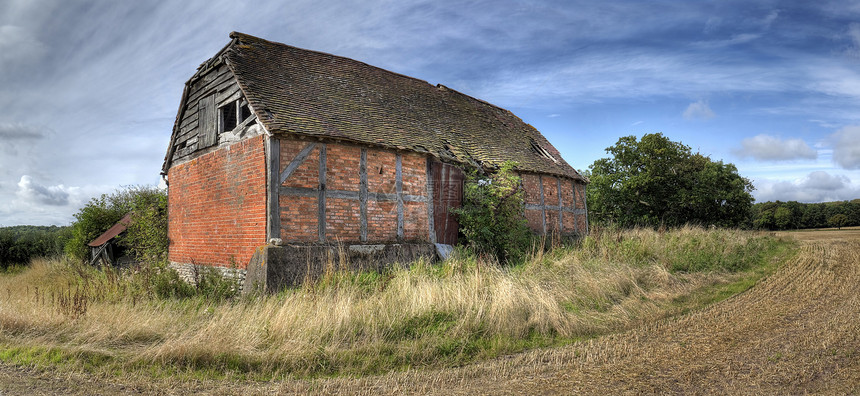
(656,181)
(782,217)
(491,218)
(838,221)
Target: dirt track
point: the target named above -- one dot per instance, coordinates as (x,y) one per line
(796,332)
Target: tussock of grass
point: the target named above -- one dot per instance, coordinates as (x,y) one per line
(437,315)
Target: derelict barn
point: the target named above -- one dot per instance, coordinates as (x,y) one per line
(104,250)
(316,150)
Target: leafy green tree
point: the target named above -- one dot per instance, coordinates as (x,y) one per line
(656,181)
(491,218)
(838,221)
(814,216)
(782,217)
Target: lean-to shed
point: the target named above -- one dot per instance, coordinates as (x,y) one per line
(310,151)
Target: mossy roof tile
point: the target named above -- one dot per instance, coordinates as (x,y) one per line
(317,94)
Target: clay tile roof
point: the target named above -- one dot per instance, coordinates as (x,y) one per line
(112,232)
(302,92)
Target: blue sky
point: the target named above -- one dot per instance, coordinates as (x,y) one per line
(89,89)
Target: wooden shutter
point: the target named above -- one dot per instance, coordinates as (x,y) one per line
(206,125)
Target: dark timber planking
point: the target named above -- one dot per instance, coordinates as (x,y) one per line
(273,146)
(219,84)
(207,134)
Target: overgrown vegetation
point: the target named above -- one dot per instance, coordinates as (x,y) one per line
(146,236)
(445,314)
(657,182)
(491,218)
(20,244)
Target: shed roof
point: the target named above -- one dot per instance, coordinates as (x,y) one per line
(112,232)
(303,92)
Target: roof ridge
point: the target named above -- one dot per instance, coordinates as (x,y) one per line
(240,36)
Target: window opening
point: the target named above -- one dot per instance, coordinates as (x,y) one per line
(244,111)
(228,117)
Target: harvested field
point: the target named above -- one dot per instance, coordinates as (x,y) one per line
(795,332)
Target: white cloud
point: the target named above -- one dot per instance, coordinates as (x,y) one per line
(766,147)
(31,191)
(699,110)
(846,147)
(818,186)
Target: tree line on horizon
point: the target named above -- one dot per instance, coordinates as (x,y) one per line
(779,215)
(22,243)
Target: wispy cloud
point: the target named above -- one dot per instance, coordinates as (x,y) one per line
(699,110)
(770,148)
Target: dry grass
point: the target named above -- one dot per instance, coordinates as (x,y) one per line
(427,316)
(797,332)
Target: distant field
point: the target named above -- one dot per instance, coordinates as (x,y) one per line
(824,234)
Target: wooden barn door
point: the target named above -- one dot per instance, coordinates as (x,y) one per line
(447,193)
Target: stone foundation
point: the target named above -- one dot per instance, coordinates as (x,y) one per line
(191,273)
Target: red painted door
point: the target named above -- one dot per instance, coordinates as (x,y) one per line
(447,194)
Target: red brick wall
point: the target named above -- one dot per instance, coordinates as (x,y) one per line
(571,222)
(415,222)
(299,215)
(217,205)
(531,185)
(381,177)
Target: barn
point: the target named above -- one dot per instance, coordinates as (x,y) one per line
(281,157)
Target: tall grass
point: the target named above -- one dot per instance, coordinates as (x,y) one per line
(427,315)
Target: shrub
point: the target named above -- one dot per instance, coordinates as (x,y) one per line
(491,218)
(146,236)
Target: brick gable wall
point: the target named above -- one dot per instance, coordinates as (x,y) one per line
(217,205)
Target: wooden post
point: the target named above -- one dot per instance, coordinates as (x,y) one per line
(398,186)
(542,205)
(273,153)
(322,189)
(362,193)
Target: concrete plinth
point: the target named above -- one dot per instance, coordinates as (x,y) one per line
(273,268)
